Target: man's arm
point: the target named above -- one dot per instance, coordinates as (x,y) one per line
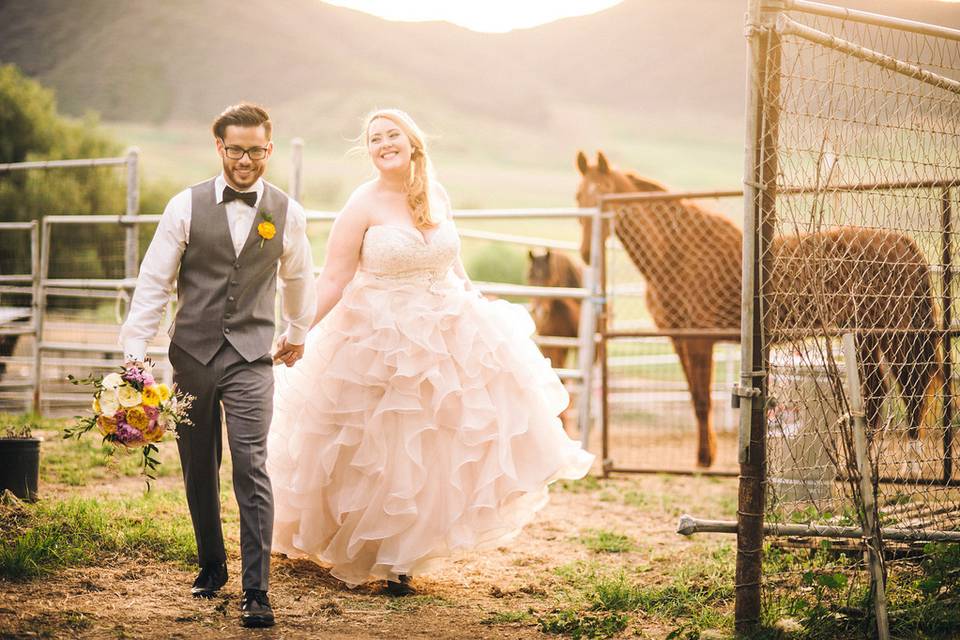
(157,275)
(297,292)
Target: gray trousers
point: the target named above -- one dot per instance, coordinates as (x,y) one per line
(228,386)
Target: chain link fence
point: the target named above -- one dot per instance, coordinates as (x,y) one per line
(852,208)
(672,323)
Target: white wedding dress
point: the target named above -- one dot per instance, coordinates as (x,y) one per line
(421,421)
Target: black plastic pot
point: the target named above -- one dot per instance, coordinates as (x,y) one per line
(20,466)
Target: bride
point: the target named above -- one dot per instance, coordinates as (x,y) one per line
(422,420)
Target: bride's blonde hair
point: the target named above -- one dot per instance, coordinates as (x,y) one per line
(417,184)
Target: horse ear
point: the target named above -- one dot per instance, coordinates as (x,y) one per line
(530,253)
(582,162)
(547,254)
(602,164)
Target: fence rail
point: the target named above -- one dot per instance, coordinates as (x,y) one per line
(119,289)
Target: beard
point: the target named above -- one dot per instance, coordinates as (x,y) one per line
(245,180)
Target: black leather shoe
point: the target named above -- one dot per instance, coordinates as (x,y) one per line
(400,588)
(255,609)
(212,577)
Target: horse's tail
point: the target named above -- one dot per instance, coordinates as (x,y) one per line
(915,356)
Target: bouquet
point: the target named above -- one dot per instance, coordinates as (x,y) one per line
(132,410)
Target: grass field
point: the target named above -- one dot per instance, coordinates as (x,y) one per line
(97,557)
(599,562)
(482,164)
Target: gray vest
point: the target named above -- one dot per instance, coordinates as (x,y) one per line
(222,296)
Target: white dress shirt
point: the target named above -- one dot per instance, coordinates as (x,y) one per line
(158,273)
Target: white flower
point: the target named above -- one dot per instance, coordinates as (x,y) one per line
(165,421)
(109,403)
(128,396)
(111,381)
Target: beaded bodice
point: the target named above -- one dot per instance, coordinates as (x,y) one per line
(395,251)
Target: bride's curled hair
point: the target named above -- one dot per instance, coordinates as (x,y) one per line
(417,184)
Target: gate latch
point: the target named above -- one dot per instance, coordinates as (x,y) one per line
(741,391)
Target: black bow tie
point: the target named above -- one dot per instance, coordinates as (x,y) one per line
(249,197)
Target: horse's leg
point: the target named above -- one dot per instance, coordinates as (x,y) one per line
(696,358)
(914,363)
(872,385)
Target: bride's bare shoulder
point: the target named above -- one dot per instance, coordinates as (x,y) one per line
(360,202)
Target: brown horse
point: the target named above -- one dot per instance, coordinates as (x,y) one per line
(555,316)
(844,278)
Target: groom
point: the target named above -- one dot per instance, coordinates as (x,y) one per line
(225,241)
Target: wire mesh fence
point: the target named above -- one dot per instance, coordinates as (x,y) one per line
(672,320)
(19,245)
(856,164)
(34,191)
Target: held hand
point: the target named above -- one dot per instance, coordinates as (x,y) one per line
(287,353)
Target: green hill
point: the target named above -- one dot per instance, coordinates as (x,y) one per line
(656,83)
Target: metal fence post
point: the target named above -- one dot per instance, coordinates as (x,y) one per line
(37,310)
(946,262)
(131,262)
(296,169)
(760,170)
(588,330)
(871,526)
(42,259)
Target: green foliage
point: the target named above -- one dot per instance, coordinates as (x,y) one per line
(498,263)
(585,484)
(600,541)
(18,431)
(597,601)
(33,130)
(828,593)
(49,535)
(583,624)
(508,617)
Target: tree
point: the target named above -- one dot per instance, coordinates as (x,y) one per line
(32,129)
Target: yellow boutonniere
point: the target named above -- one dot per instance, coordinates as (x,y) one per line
(266,229)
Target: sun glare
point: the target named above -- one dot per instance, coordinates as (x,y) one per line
(489,16)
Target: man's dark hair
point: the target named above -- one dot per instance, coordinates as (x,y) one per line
(244,114)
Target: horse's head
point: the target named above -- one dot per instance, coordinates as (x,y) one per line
(595,181)
(539,272)
(601,179)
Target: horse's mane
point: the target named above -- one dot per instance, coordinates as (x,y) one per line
(640,183)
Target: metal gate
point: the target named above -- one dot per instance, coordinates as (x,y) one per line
(853,159)
(668,333)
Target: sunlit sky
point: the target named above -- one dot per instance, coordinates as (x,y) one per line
(479,15)
(483,15)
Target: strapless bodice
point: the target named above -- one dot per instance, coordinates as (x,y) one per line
(399,252)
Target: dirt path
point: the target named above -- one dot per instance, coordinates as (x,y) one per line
(473,596)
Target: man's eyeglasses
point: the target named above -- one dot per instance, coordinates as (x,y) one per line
(235,153)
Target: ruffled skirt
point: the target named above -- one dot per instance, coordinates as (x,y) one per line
(421,421)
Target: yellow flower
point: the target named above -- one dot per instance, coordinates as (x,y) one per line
(138,418)
(128,396)
(151,396)
(164,392)
(96,406)
(107,425)
(266,231)
(155,434)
